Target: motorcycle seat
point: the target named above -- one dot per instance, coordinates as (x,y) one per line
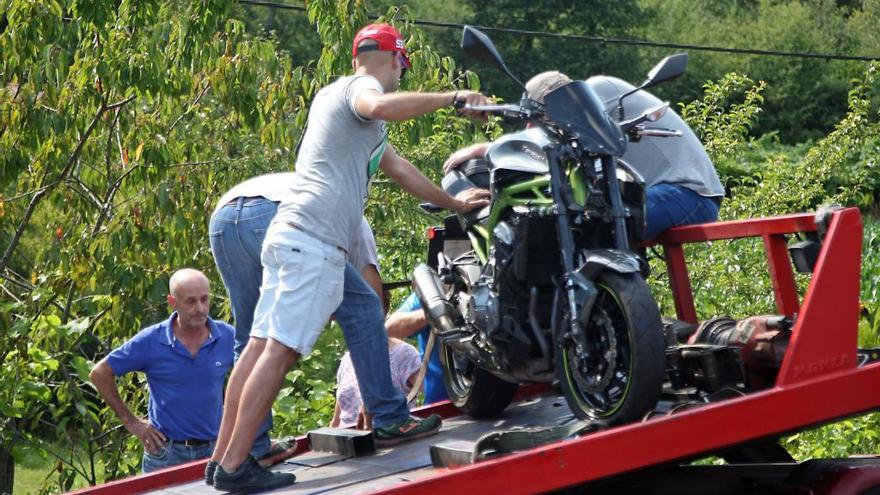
(470,175)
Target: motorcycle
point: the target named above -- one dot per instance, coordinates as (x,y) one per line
(544,284)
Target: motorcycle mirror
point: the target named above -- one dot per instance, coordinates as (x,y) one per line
(667,69)
(479,47)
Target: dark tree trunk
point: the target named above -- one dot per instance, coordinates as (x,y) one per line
(7,471)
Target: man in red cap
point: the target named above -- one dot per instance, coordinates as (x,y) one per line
(304,250)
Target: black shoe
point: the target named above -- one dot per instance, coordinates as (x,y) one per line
(250,477)
(409,429)
(210,469)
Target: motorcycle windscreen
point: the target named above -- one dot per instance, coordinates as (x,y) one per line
(577,109)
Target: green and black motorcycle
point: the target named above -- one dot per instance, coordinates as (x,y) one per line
(544,283)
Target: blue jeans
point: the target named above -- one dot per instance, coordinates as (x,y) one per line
(673,206)
(363,326)
(237,232)
(174,454)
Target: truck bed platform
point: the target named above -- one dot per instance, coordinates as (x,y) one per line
(819,381)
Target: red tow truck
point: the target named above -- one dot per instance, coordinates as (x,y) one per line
(822,378)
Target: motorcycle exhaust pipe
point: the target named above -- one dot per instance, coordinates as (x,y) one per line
(429,290)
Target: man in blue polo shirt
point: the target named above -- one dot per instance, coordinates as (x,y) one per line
(410,319)
(186,359)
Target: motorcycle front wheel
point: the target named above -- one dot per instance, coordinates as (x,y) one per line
(471,388)
(620,375)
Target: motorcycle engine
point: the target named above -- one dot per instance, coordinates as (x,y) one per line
(480,308)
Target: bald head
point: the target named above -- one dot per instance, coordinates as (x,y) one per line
(185,278)
(189,295)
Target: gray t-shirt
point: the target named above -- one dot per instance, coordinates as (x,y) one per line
(340,153)
(362,248)
(681,161)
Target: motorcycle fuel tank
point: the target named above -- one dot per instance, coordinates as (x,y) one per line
(521,151)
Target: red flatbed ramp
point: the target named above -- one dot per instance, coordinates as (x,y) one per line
(819,381)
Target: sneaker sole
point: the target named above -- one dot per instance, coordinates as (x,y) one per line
(209,479)
(390,442)
(241,489)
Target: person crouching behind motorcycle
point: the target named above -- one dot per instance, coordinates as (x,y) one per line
(682,186)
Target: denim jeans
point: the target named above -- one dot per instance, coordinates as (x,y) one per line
(174,454)
(363,326)
(673,206)
(237,232)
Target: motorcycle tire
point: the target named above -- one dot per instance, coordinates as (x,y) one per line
(472,389)
(624,325)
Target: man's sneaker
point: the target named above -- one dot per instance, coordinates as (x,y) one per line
(250,478)
(408,429)
(210,469)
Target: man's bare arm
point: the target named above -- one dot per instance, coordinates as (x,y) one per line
(402,324)
(401,105)
(412,180)
(104,379)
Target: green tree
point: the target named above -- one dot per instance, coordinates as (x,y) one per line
(805,97)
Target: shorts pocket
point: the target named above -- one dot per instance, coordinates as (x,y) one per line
(333,278)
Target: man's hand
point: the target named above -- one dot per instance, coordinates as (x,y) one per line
(471,199)
(152,439)
(469,153)
(472,98)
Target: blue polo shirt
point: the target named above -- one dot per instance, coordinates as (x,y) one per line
(435,391)
(186,392)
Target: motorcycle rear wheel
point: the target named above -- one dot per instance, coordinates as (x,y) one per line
(624,371)
(472,389)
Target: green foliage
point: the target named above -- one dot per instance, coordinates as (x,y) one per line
(721,121)
(805,96)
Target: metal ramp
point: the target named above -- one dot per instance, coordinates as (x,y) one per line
(327,473)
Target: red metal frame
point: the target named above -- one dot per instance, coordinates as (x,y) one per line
(817,383)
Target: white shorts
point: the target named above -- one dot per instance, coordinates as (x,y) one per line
(302,287)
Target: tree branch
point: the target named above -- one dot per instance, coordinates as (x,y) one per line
(191,106)
(65,171)
(84,190)
(35,200)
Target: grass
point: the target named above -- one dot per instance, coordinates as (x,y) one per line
(30,473)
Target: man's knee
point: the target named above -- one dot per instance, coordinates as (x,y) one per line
(280,354)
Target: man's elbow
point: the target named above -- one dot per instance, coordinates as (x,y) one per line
(100,374)
(383,110)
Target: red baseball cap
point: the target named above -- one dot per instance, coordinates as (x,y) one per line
(387,38)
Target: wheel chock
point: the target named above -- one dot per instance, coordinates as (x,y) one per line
(452,453)
(341,441)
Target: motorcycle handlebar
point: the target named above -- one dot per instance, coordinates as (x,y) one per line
(514,111)
(658,133)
